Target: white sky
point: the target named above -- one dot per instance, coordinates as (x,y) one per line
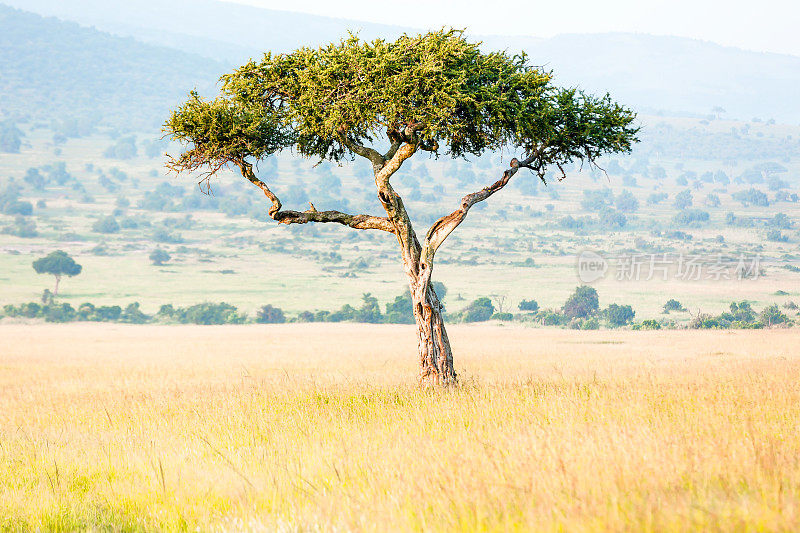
(762,25)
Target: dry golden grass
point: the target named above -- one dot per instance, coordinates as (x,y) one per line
(309,427)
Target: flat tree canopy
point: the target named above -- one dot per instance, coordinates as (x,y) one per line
(436,93)
(58,263)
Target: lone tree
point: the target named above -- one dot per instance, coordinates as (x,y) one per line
(57,263)
(159,257)
(386,102)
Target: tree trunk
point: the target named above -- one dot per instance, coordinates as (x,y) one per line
(435,355)
(55,291)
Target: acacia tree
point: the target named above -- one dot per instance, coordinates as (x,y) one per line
(386,102)
(58,263)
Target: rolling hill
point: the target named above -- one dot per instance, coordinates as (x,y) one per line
(652,73)
(52,69)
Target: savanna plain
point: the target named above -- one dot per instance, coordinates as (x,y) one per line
(304,427)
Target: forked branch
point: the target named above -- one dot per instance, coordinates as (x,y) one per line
(312,215)
(445,225)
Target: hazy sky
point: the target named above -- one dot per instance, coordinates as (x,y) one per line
(763,25)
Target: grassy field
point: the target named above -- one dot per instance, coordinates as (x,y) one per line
(320,427)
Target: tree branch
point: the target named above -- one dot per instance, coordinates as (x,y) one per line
(369,153)
(445,225)
(312,215)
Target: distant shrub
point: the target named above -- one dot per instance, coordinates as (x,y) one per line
(503,316)
(159,257)
(209,314)
(673,305)
(268,314)
(479,310)
(691,216)
(619,315)
(773,316)
(751,196)
(550,317)
(612,220)
(626,202)
(123,148)
(656,198)
(133,315)
(647,324)
(582,303)
(683,199)
(400,311)
(529,305)
(106,225)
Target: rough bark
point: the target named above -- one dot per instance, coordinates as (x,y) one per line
(435,355)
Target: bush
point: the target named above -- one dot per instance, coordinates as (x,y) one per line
(751,196)
(270,315)
(656,198)
(619,315)
(479,310)
(691,216)
(612,220)
(647,324)
(582,303)
(133,315)
(209,314)
(400,311)
(124,148)
(106,225)
(529,305)
(673,305)
(370,311)
(772,315)
(683,199)
(627,202)
(159,257)
(503,316)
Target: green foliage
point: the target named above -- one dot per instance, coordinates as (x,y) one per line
(673,305)
(159,257)
(123,148)
(106,225)
(370,310)
(773,316)
(582,303)
(450,92)
(691,217)
(529,305)
(133,315)
(208,313)
(683,199)
(400,311)
(479,310)
(507,317)
(647,324)
(550,317)
(268,314)
(626,202)
(596,200)
(10,137)
(619,315)
(752,196)
(612,220)
(58,263)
